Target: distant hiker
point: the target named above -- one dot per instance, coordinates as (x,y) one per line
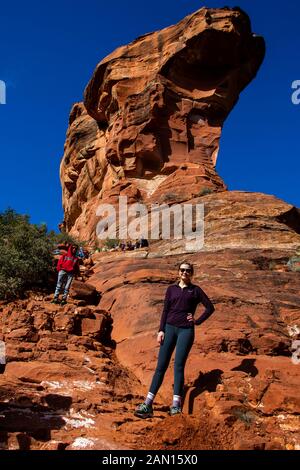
(81,253)
(62,227)
(67,267)
(129,245)
(177,329)
(143,242)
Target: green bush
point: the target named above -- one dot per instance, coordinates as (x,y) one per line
(25,254)
(60,238)
(170,197)
(26,258)
(272,265)
(111,243)
(294,263)
(205,191)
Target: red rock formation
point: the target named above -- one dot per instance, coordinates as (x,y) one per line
(66,385)
(153,114)
(61,380)
(150,129)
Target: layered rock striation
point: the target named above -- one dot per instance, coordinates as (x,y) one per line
(152,116)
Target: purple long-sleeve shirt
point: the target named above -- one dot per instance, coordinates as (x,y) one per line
(179,302)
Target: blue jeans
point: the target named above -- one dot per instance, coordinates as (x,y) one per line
(63,282)
(183,339)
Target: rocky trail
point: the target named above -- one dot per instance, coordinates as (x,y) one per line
(63,386)
(72,380)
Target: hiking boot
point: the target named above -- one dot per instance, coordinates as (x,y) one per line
(55,300)
(144,411)
(63,302)
(175,410)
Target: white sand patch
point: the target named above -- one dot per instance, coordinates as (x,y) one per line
(83,443)
(293,330)
(84,384)
(150,186)
(281,417)
(51,384)
(67,387)
(79,423)
(90,370)
(81,419)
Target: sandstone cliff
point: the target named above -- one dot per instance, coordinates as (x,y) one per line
(150,128)
(153,113)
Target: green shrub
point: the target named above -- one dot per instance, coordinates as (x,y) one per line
(26,254)
(272,265)
(294,263)
(205,191)
(60,238)
(111,242)
(170,197)
(248,417)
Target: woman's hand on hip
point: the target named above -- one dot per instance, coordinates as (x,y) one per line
(190,318)
(160,337)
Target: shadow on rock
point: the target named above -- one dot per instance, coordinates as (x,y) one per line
(205,382)
(247,365)
(21,424)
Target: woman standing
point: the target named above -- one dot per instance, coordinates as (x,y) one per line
(177,329)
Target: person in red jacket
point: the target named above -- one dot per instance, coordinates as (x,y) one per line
(67,267)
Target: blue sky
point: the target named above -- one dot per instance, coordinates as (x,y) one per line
(49,50)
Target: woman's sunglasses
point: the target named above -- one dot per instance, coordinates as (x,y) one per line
(182,270)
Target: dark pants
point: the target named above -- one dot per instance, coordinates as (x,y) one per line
(183,339)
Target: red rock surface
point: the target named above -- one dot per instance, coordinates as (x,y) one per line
(72,381)
(239,375)
(62,380)
(150,129)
